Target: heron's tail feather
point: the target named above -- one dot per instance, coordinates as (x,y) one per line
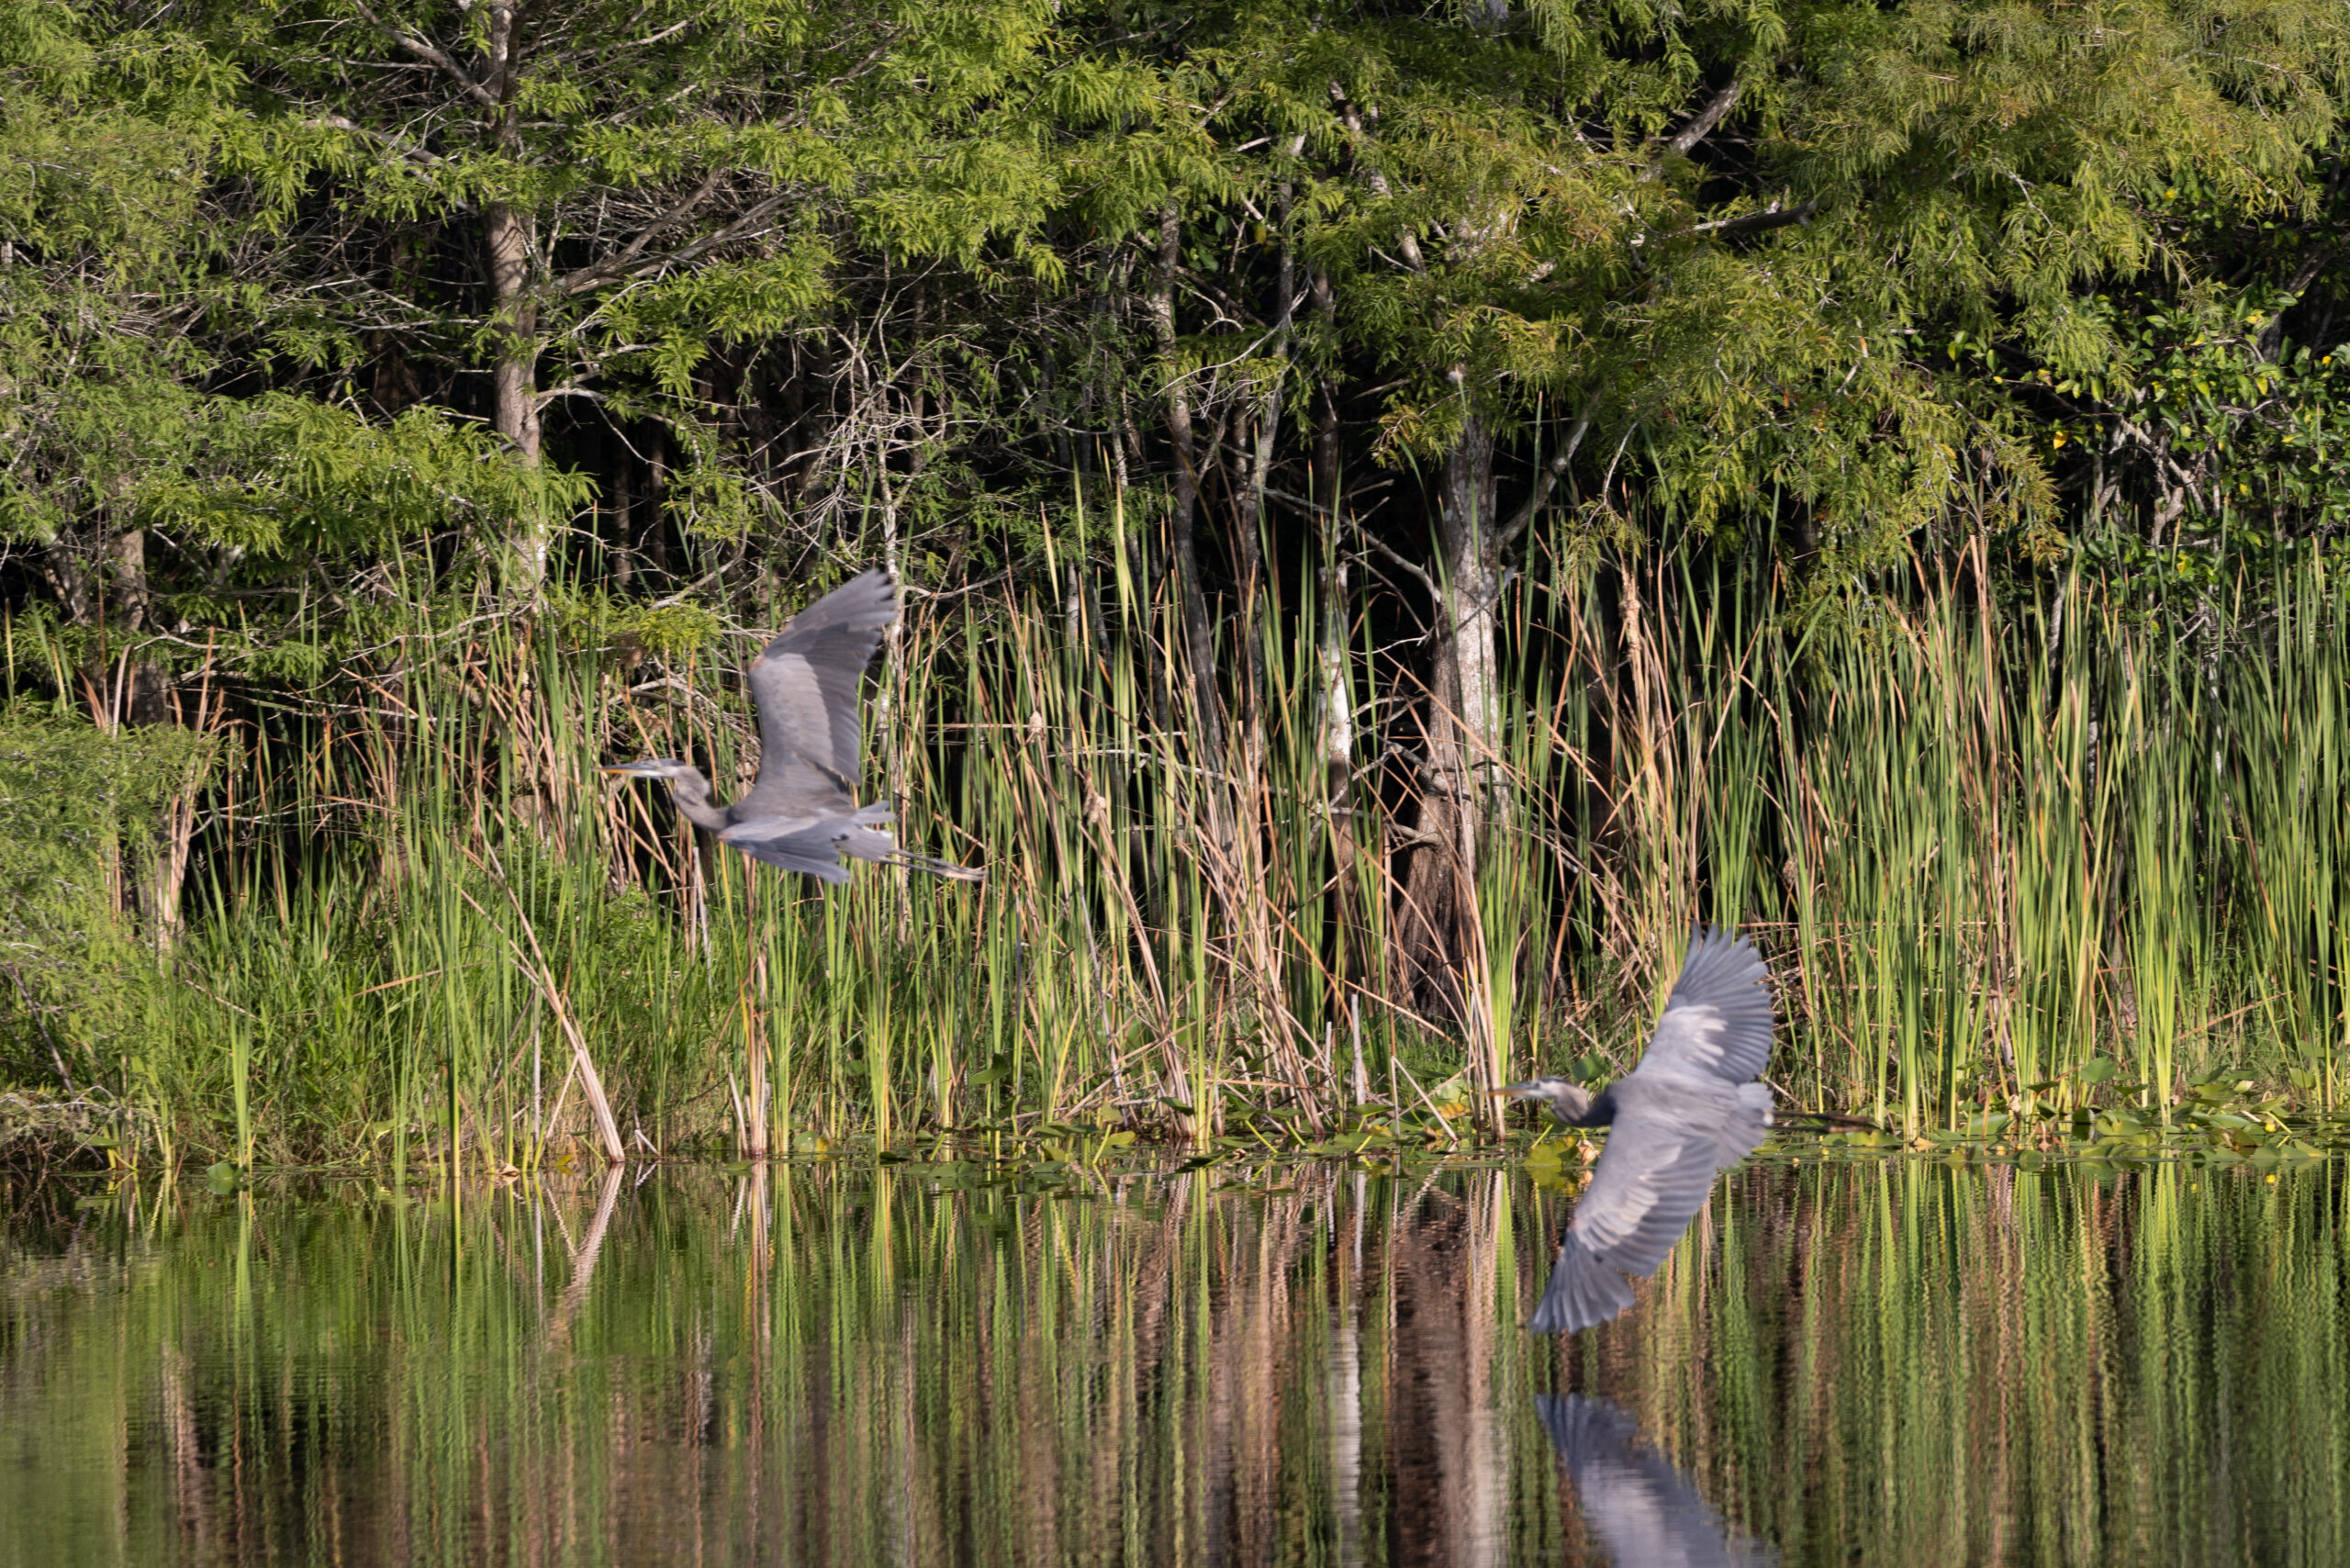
(866,844)
(1584,1289)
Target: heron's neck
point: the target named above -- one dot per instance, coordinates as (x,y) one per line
(1595,1111)
(692,792)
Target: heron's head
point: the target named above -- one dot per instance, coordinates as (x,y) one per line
(1569,1102)
(686,780)
(653,767)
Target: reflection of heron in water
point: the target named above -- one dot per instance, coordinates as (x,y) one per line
(1690,1109)
(1642,1509)
(801,812)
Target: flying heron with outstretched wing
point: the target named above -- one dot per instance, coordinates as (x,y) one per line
(1690,1110)
(801,812)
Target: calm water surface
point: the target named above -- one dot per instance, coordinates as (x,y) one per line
(1889,1362)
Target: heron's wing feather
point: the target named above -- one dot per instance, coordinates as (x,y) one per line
(818,857)
(808,685)
(816,845)
(1651,1179)
(1668,1141)
(754,830)
(1736,1136)
(1718,1021)
(1690,1109)
(1583,1290)
(1642,1507)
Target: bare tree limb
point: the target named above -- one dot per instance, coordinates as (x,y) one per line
(1773,217)
(2316,261)
(434,55)
(603,273)
(1552,472)
(351,128)
(618,264)
(1418,571)
(1698,129)
(1407,241)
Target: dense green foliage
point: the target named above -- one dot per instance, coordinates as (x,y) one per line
(1380,478)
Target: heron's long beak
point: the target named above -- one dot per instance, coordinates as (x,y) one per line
(1516,1091)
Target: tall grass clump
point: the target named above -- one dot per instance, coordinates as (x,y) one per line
(2005,852)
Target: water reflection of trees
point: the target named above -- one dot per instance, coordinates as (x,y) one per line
(1984,1364)
(1317,1364)
(816,1364)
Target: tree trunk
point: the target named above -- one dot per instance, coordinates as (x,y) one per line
(1460,784)
(1266,417)
(1357,961)
(514,375)
(621,547)
(1463,789)
(1199,645)
(104,584)
(70,575)
(1325,471)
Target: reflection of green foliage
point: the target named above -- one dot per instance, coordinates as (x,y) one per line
(1979,1346)
(76,804)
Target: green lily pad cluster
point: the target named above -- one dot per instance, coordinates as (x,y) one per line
(1561,1163)
(2224,1120)
(1374,1137)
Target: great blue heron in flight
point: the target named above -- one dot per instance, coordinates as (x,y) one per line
(1642,1508)
(801,812)
(1690,1109)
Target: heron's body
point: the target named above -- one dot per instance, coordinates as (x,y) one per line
(801,813)
(1688,1111)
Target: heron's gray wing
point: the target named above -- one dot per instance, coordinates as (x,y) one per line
(814,854)
(1582,1290)
(808,685)
(815,845)
(1668,1140)
(1642,1508)
(1651,1179)
(1718,1021)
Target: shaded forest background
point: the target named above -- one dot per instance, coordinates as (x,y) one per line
(1506,450)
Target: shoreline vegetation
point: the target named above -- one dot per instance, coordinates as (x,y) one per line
(1403,511)
(2015,867)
